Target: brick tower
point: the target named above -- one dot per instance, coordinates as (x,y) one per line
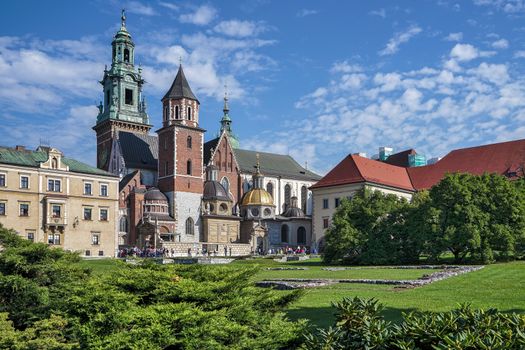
(123,107)
(180,169)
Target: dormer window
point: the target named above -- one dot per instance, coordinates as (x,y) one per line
(129,97)
(54,163)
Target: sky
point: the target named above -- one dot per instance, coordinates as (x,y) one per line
(314,79)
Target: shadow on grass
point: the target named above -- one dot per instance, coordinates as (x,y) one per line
(323,317)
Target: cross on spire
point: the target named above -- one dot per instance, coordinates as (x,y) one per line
(123,18)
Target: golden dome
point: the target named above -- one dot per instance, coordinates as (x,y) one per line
(257,196)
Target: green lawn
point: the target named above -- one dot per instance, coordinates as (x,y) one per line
(500,285)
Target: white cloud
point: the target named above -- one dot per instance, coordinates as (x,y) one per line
(495,73)
(203,15)
(519,54)
(306,12)
(169,5)
(500,44)
(399,38)
(464,52)
(381,13)
(140,9)
(508,6)
(454,36)
(241,29)
(345,67)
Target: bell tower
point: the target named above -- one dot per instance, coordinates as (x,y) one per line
(180,169)
(124,107)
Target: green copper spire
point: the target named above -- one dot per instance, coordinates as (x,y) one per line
(226,123)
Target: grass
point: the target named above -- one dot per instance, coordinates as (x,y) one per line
(500,286)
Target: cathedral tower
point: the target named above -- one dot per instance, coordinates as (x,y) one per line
(124,108)
(226,124)
(180,169)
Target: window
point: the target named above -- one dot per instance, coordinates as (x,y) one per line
(24,181)
(189,113)
(304,198)
(87,213)
(53,238)
(88,253)
(166,109)
(53,185)
(103,215)
(104,190)
(100,253)
(87,188)
(287,195)
(126,55)
(176,112)
(3,208)
(189,226)
(95,238)
(128,97)
(107,98)
(284,233)
(188,167)
(269,188)
(337,202)
(226,184)
(30,236)
(325,222)
(24,209)
(325,203)
(54,163)
(123,224)
(188,142)
(301,235)
(55,210)
(166,167)
(2,180)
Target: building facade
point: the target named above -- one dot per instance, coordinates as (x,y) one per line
(49,198)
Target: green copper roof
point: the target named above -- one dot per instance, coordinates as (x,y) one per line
(34,158)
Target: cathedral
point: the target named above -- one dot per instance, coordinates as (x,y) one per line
(186,195)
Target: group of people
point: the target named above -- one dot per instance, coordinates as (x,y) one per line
(144,253)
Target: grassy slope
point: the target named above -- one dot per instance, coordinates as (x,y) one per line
(500,285)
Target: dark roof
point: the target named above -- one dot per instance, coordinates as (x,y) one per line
(273,165)
(293,212)
(357,169)
(214,190)
(400,158)
(154,194)
(33,159)
(180,87)
(124,181)
(505,158)
(139,151)
(207,149)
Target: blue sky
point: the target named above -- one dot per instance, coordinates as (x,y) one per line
(316,80)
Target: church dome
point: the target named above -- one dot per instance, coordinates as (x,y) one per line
(214,190)
(154,194)
(257,196)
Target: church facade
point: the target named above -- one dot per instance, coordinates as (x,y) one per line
(184,194)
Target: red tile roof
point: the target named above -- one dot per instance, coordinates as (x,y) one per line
(356,169)
(506,158)
(500,158)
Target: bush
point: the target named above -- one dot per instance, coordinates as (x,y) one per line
(360,326)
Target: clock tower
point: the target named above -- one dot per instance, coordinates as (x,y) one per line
(124,108)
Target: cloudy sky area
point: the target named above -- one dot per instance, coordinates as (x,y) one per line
(316,80)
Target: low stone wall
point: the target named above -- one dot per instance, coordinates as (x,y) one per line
(402,267)
(285,268)
(183,249)
(296,283)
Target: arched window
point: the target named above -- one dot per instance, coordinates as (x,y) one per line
(269,188)
(188,167)
(304,198)
(54,163)
(287,195)
(124,224)
(176,112)
(166,113)
(226,184)
(189,113)
(301,235)
(188,142)
(189,226)
(126,55)
(284,233)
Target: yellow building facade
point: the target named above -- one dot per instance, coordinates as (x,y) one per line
(49,198)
